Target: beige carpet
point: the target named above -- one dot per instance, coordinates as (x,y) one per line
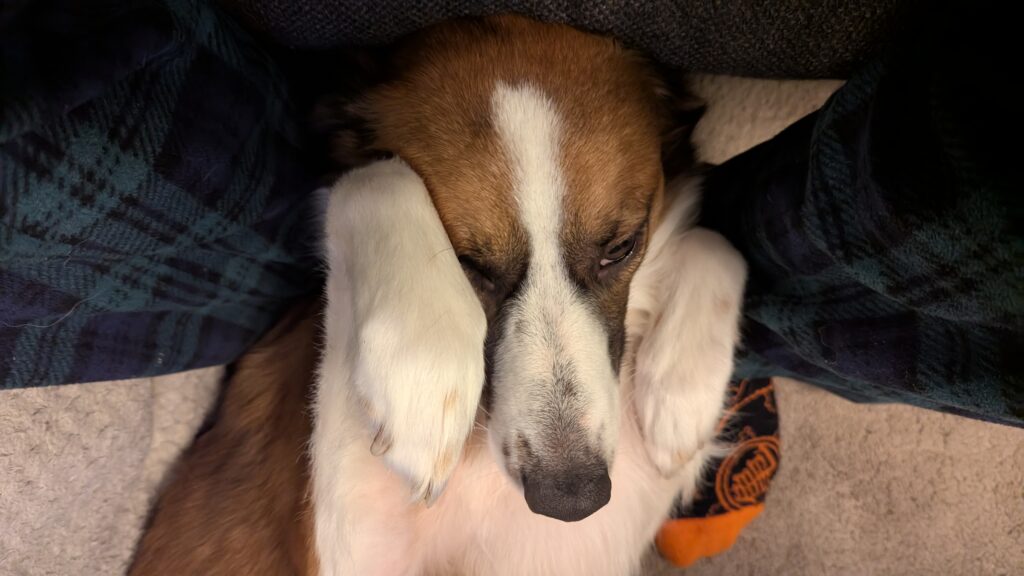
(861,491)
(79,465)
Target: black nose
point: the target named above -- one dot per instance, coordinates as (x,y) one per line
(568,495)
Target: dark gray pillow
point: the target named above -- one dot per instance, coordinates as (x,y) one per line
(781,38)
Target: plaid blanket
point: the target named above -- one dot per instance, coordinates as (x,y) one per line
(150,195)
(883,232)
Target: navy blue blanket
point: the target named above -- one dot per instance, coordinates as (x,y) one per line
(150,192)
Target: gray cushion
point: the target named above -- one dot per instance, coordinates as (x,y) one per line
(783,38)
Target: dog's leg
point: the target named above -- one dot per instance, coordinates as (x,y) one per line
(688,296)
(403,366)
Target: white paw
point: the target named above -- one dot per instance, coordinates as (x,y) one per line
(421,381)
(401,309)
(678,426)
(685,359)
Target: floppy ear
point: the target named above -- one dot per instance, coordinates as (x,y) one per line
(342,121)
(682,110)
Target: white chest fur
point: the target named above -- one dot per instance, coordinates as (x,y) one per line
(682,326)
(481,525)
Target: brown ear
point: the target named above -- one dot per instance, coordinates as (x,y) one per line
(344,129)
(342,120)
(682,112)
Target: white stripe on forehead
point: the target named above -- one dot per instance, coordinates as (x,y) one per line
(530,131)
(553,373)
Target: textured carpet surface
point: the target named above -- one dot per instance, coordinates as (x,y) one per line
(79,465)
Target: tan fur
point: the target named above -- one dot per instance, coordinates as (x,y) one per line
(236,503)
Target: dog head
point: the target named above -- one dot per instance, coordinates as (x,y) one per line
(545,151)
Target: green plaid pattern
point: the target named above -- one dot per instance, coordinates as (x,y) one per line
(151,216)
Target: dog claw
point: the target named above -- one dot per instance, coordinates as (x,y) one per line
(431,494)
(381,442)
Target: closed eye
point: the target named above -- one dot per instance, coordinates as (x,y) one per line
(619,252)
(478,275)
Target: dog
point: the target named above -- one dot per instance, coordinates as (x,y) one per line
(525,343)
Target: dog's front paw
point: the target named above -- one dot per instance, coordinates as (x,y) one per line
(685,360)
(676,426)
(421,380)
(403,315)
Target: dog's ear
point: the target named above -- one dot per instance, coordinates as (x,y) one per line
(342,121)
(682,111)
(343,127)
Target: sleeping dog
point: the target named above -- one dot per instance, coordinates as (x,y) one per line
(525,343)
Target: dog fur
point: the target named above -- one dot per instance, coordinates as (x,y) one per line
(477,335)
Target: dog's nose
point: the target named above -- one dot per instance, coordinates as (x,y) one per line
(568,495)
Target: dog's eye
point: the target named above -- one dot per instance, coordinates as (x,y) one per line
(618,252)
(477,274)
